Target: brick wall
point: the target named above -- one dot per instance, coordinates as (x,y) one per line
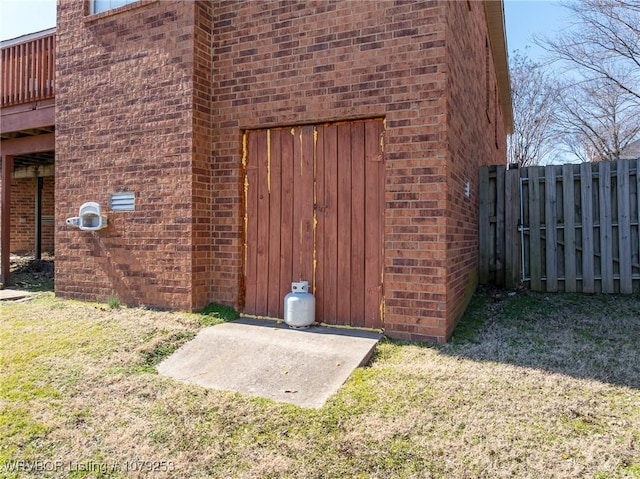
(126,122)
(155,99)
(23,215)
(312,62)
(201,162)
(476,137)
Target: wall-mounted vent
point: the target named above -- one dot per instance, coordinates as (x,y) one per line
(123,202)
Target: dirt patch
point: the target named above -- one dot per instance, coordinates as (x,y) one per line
(32,274)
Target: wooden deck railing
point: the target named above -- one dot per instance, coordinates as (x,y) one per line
(28,71)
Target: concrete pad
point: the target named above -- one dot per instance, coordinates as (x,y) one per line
(13,294)
(268,359)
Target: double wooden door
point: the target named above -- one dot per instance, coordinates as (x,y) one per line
(314,205)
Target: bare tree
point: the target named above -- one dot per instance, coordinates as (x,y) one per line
(603,43)
(596,120)
(599,106)
(533,100)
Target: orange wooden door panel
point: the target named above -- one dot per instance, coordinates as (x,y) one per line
(314,202)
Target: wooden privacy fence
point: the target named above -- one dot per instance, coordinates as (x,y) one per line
(572,228)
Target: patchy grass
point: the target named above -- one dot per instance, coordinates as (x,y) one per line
(534,386)
(113,302)
(216,313)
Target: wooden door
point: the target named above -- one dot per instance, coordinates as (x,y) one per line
(314,202)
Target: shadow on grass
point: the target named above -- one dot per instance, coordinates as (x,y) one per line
(584,336)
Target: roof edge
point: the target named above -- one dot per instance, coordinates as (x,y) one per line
(27,37)
(494,13)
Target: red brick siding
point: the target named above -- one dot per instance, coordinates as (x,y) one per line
(310,62)
(201,162)
(155,100)
(472,143)
(125,119)
(23,215)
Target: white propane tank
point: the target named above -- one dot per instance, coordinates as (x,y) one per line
(299,306)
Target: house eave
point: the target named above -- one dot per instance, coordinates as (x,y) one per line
(494,12)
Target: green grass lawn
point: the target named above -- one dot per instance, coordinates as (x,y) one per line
(532,386)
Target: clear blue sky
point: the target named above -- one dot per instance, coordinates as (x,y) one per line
(524,18)
(19,17)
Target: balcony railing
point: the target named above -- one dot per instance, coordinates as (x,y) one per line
(28,71)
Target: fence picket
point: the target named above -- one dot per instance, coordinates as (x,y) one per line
(586,185)
(551,221)
(511,234)
(606,240)
(569,229)
(638,201)
(624,227)
(500,221)
(483,227)
(535,245)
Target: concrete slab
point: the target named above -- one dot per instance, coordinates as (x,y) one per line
(13,294)
(268,359)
